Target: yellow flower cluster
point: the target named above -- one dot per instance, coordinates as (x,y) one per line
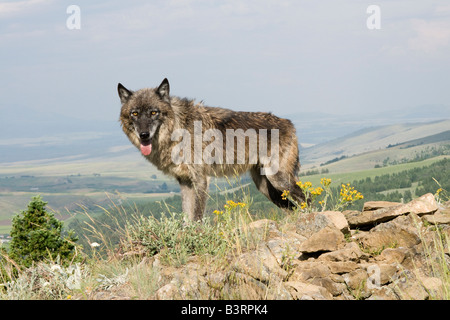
(307,187)
(217,212)
(231,205)
(285,194)
(304,186)
(349,194)
(438,191)
(325,182)
(317,191)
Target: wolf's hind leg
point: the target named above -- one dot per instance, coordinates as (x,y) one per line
(266,188)
(286,181)
(272,186)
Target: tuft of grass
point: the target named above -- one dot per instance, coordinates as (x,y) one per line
(45,280)
(174,239)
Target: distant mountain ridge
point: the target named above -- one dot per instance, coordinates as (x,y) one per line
(314,127)
(29,135)
(370,139)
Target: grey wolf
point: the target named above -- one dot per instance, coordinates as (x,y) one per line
(154,121)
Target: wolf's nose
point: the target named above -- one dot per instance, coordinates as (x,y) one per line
(144,135)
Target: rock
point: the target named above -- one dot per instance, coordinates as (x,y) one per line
(312,222)
(392,255)
(318,274)
(350,252)
(260,230)
(434,286)
(388,261)
(284,249)
(409,288)
(332,287)
(243,286)
(400,232)
(437,218)
(327,239)
(278,292)
(260,265)
(338,220)
(356,280)
(382,293)
(185,288)
(306,270)
(186,283)
(216,280)
(382,273)
(306,291)
(375,205)
(340,267)
(376,242)
(168,292)
(425,204)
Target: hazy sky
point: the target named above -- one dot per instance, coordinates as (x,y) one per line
(266,55)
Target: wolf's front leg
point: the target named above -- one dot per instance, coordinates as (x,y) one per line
(193,197)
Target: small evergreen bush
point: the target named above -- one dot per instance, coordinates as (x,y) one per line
(37,235)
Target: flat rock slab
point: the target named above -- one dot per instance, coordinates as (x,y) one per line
(437,218)
(312,222)
(374,205)
(327,239)
(425,204)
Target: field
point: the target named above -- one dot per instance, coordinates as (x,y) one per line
(67,186)
(72,187)
(81,182)
(345,176)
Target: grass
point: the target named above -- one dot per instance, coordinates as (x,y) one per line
(138,253)
(437,260)
(126,269)
(89,189)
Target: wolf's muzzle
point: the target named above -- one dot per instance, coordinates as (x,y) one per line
(145,136)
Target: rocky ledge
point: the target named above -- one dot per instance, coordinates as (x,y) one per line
(387,251)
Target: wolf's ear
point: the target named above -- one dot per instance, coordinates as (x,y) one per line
(124,93)
(164,90)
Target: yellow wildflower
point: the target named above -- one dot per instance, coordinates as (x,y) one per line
(231,205)
(285,194)
(317,192)
(325,182)
(349,194)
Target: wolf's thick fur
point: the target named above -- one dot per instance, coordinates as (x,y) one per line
(150,116)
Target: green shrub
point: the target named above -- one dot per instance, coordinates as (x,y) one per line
(174,238)
(36,235)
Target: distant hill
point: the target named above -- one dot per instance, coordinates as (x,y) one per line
(443,136)
(314,126)
(26,134)
(376,138)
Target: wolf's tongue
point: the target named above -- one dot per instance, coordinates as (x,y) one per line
(146,150)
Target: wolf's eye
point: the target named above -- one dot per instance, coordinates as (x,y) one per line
(134,114)
(153,113)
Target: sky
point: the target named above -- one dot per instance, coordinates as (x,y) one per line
(257,55)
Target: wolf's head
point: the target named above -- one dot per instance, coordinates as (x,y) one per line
(143,112)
